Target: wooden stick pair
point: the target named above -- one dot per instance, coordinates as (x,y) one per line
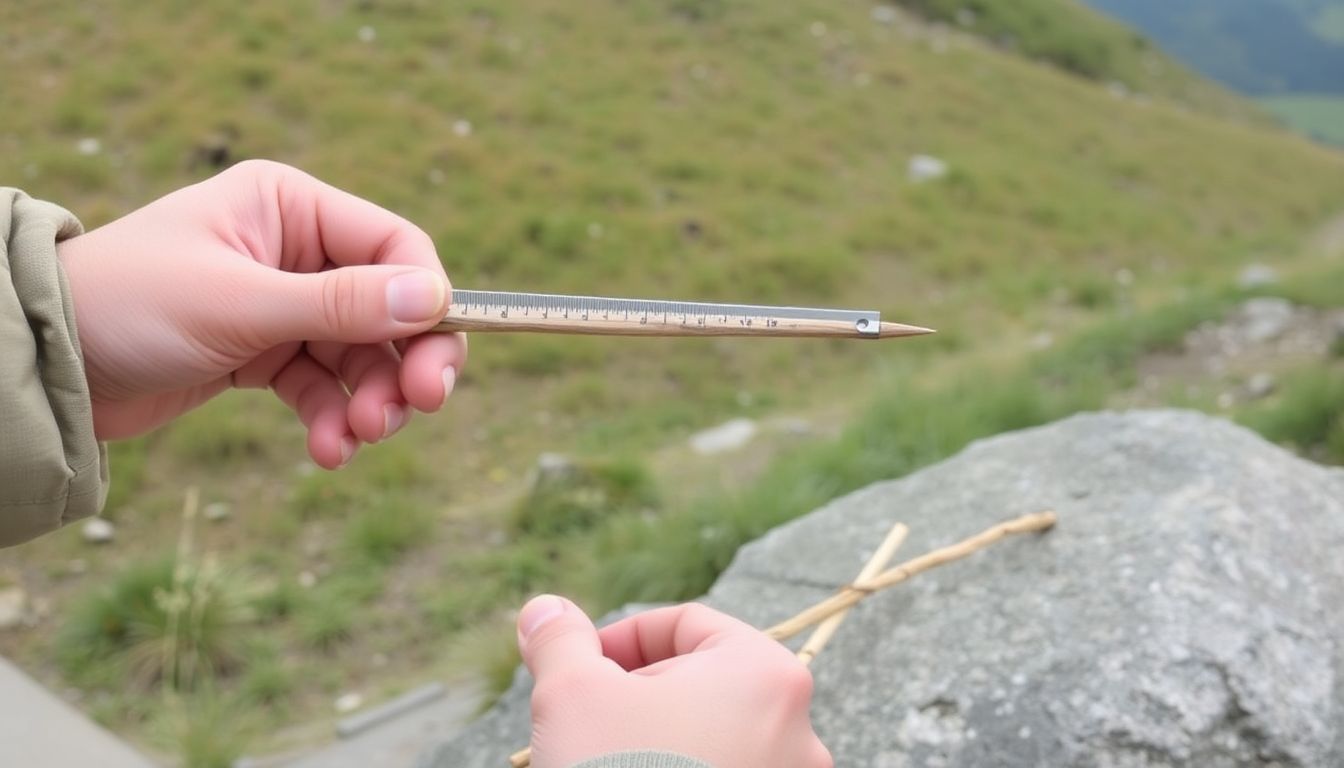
(831,611)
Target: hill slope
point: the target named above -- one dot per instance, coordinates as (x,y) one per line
(750,151)
(1259,47)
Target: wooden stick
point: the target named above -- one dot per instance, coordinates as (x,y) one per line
(853,593)
(826,629)
(1039,521)
(632,327)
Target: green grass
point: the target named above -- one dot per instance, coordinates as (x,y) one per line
(1306,413)
(382,531)
(325,621)
(155,624)
(583,496)
(208,731)
(1329,23)
(1321,117)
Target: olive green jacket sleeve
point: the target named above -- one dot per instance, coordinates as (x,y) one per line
(643,760)
(52,468)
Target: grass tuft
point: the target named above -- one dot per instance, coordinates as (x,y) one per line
(583,496)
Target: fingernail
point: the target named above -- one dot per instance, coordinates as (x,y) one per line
(538,611)
(449,381)
(394,417)
(348,446)
(414,297)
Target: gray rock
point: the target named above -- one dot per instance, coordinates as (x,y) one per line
(1260,385)
(552,468)
(1185,612)
(884,14)
(1265,319)
(728,436)
(1257,275)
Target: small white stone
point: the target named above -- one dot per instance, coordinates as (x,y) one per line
(462,128)
(367,34)
(307,579)
(728,436)
(217,511)
(13,607)
(348,702)
(88,146)
(1024,732)
(922,168)
(99,531)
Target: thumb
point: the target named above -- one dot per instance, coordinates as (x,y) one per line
(356,305)
(555,634)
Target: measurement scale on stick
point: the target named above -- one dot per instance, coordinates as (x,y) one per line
(497,311)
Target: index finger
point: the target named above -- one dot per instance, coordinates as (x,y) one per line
(653,636)
(319,224)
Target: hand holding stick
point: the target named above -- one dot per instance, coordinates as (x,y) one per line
(848,596)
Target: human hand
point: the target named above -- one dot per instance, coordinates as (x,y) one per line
(687,679)
(263,276)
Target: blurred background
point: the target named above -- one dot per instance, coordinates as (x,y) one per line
(1087,220)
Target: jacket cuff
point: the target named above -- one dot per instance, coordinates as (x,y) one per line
(643,760)
(52,468)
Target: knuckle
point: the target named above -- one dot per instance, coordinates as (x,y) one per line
(340,301)
(698,612)
(258,168)
(795,683)
(558,691)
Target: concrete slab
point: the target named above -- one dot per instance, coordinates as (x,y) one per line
(39,730)
(392,742)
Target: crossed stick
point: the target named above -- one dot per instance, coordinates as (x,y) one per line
(828,613)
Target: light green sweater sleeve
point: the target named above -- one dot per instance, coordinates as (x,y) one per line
(52,468)
(643,760)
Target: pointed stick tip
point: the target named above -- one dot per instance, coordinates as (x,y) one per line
(892,330)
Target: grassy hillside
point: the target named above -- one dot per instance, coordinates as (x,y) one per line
(1321,117)
(752,151)
(1069,35)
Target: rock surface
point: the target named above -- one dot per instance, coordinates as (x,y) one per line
(1186,611)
